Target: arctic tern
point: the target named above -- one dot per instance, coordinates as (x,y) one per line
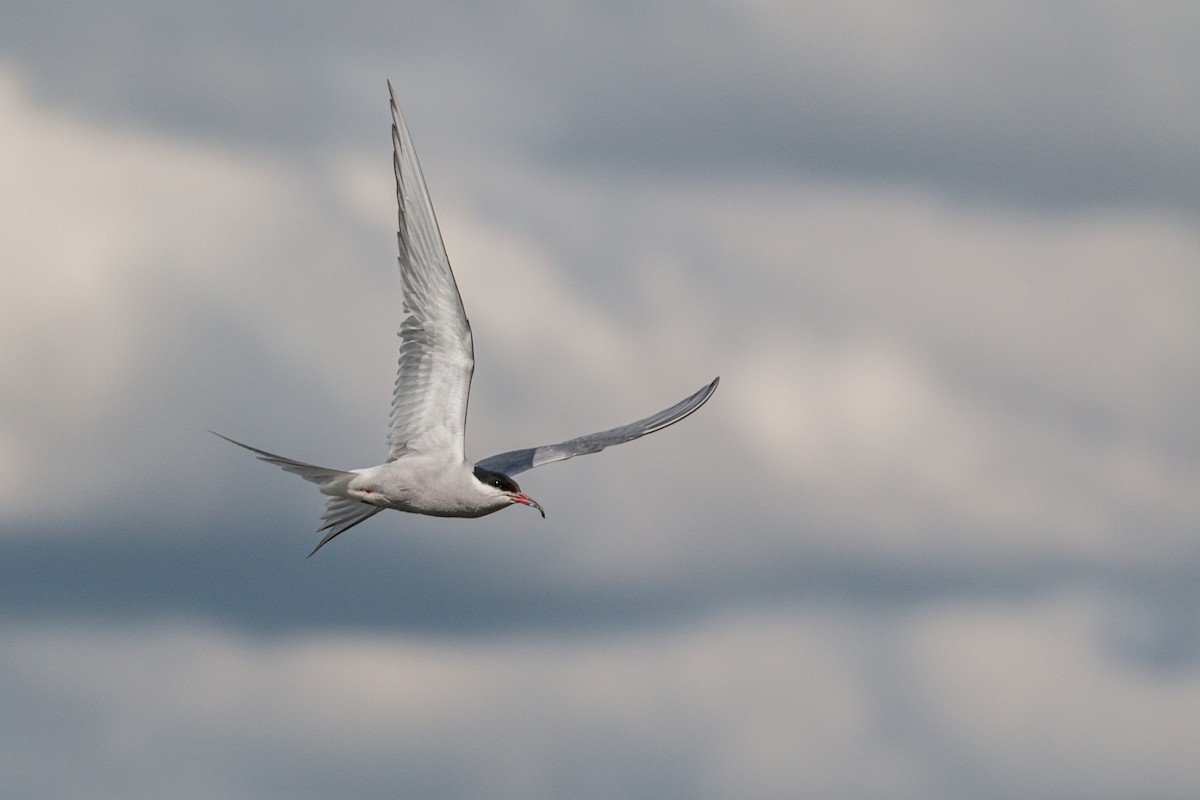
(426,471)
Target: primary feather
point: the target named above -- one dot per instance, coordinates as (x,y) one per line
(433,380)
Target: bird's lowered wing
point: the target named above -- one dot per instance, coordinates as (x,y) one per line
(517,461)
(429,404)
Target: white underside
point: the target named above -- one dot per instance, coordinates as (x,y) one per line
(426,485)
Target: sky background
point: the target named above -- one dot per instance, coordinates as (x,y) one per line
(937,535)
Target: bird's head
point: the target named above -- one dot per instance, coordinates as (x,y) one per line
(507,487)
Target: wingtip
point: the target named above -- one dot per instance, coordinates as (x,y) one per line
(226,438)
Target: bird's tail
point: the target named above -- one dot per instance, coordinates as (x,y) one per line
(342,512)
(330,481)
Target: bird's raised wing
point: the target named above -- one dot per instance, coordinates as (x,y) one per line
(429,404)
(517,461)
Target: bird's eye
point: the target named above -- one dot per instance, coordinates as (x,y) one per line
(497,483)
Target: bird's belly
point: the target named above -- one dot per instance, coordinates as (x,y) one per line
(430,504)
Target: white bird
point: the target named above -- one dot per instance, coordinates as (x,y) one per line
(426,471)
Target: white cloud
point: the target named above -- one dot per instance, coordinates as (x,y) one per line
(1025,694)
(937,701)
(758,710)
(145,273)
(910,363)
(931,377)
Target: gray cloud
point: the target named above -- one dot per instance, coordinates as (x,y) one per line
(939,701)
(411,577)
(1054,105)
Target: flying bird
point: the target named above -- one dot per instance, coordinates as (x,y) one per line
(426,471)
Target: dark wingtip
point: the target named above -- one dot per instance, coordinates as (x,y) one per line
(707,392)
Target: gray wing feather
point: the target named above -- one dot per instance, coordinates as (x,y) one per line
(433,381)
(517,461)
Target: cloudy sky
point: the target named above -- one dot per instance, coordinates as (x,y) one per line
(937,535)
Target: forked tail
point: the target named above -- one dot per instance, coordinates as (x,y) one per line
(342,512)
